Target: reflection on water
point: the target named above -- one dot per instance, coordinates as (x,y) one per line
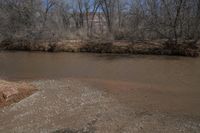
(179,72)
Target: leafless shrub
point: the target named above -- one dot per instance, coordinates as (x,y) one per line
(53,20)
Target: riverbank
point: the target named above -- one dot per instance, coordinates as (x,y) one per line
(158,47)
(11,92)
(80,105)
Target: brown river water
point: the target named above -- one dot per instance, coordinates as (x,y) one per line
(166,83)
(164,70)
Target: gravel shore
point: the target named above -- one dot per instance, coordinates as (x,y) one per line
(74,106)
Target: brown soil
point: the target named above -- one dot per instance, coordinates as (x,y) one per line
(11,92)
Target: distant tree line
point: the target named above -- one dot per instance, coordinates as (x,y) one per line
(173,20)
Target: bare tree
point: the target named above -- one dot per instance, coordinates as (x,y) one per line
(108,9)
(133,19)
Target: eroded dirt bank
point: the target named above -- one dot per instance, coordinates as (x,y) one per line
(94,106)
(157,47)
(11,92)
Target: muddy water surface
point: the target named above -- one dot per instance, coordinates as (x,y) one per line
(168,71)
(157,83)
